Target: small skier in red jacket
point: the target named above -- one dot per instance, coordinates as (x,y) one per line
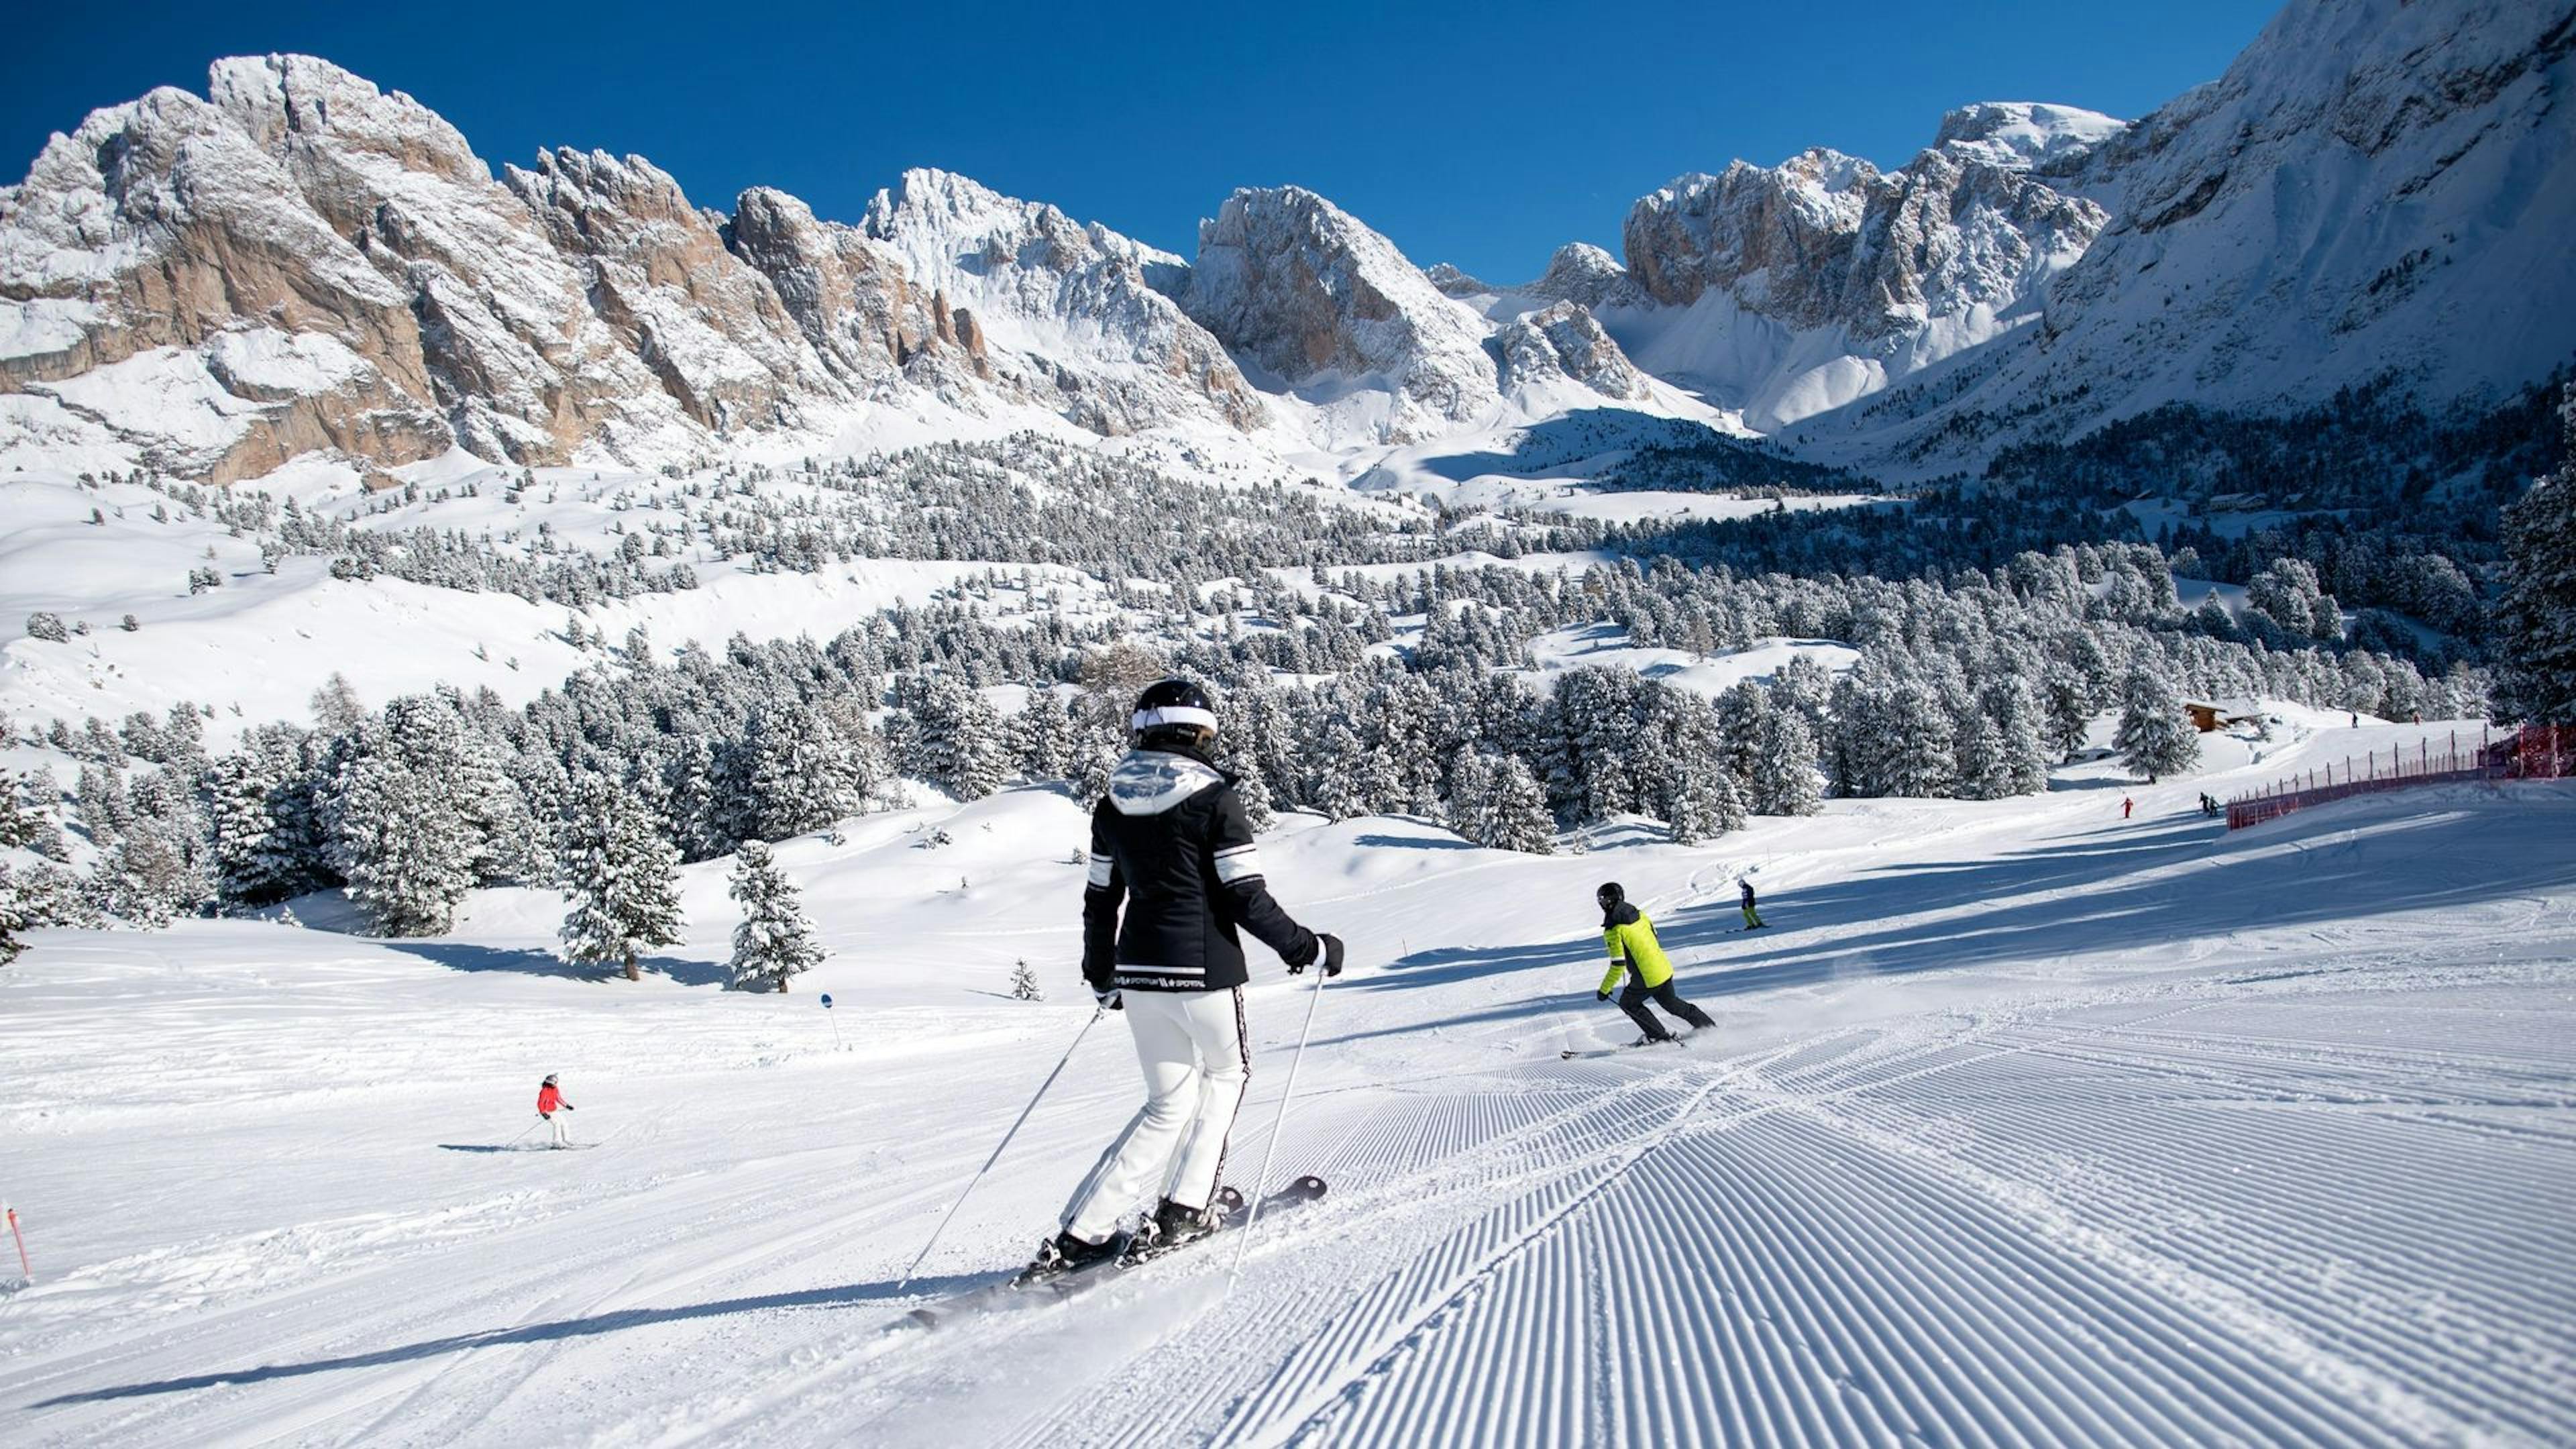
(549,1097)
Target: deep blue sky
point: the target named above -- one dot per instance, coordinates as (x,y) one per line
(1483,135)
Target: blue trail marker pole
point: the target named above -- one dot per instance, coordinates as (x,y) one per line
(836,1022)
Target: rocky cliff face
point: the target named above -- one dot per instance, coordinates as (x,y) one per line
(578,307)
(1321,302)
(1072,313)
(1820,278)
(1563,340)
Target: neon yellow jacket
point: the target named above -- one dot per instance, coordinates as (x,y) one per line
(1631,939)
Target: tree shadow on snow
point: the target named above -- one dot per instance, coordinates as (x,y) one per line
(2137,886)
(466,956)
(1383,841)
(852,1295)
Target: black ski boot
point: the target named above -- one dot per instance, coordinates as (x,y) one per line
(1171,1226)
(1062,1254)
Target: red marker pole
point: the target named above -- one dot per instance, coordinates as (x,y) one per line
(23,1270)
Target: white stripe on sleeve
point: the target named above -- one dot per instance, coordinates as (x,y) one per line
(1239,864)
(1101,865)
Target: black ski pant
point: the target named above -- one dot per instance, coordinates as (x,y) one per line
(1633,998)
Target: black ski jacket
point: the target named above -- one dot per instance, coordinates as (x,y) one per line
(1171,843)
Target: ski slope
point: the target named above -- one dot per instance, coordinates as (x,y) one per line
(2023,1124)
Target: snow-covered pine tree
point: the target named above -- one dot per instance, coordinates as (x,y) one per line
(336,710)
(2536,618)
(1471,788)
(144,881)
(623,879)
(1338,790)
(403,848)
(957,739)
(1514,814)
(799,773)
(1705,805)
(1980,747)
(2067,705)
(1024,982)
(2155,738)
(1784,772)
(1042,737)
(2025,760)
(13,915)
(1742,713)
(1921,758)
(774,940)
(253,864)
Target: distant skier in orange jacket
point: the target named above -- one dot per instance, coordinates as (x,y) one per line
(549,1097)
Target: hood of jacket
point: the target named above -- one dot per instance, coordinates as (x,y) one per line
(1149,782)
(1622,914)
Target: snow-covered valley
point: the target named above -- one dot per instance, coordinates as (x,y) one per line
(2023,1123)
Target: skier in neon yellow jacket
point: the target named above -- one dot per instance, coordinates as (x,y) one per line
(1635,952)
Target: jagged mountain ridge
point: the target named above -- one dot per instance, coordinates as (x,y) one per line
(300,261)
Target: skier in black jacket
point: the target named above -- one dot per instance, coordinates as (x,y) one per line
(1170,843)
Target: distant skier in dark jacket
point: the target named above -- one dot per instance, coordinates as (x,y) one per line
(1752,920)
(1633,948)
(1171,845)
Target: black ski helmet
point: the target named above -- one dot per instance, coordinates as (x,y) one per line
(1175,706)
(549,1081)
(1609,895)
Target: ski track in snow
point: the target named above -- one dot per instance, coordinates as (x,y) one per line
(2034,1134)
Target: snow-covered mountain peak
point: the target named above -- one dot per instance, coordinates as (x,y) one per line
(2024,135)
(1327,305)
(1586,275)
(2374,189)
(279,99)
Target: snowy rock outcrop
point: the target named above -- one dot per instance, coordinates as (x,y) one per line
(1563,340)
(1458,284)
(2024,135)
(1070,316)
(1808,284)
(1329,307)
(1587,276)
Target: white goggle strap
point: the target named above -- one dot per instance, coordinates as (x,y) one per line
(1175,714)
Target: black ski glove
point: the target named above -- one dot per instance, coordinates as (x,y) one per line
(1109,1000)
(1328,950)
(1601,996)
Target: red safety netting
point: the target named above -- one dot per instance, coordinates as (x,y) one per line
(2536,752)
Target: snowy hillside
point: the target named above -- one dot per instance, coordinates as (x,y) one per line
(2021,1122)
(2373,189)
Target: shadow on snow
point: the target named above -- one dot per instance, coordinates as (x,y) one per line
(466,956)
(2126,886)
(853,1295)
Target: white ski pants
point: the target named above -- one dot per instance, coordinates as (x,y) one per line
(554,1124)
(1197,1065)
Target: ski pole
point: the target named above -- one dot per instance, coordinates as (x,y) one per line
(1096,1014)
(1271,1156)
(23,1270)
(524,1131)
